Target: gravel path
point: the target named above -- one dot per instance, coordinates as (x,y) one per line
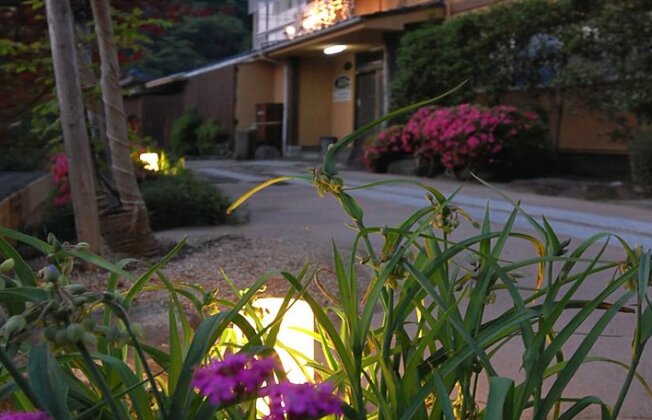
(201,263)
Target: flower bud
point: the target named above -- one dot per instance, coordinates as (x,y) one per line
(50,333)
(138,330)
(75,289)
(49,274)
(88,324)
(74,332)
(112,334)
(79,300)
(89,339)
(123,339)
(82,246)
(7,265)
(52,240)
(14,324)
(61,338)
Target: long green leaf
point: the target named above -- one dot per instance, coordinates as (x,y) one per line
(142,280)
(47,380)
(501,399)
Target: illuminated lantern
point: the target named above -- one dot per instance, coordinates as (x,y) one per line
(150,160)
(292,335)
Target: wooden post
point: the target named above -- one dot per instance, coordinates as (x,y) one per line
(136,235)
(73,123)
(116,121)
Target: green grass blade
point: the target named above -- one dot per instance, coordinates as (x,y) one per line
(142,280)
(501,399)
(583,404)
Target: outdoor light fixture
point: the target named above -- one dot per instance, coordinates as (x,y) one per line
(310,23)
(294,335)
(290,31)
(334,49)
(150,160)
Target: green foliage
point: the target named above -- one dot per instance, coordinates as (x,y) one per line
(184,133)
(182,200)
(592,47)
(511,45)
(184,46)
(424,331)
(211,138)
(609,57)
(174,197)
(191,136)
(73,352)
(26,75)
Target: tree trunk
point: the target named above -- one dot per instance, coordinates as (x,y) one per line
(128,230)
(71,109)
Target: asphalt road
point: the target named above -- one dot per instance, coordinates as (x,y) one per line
(293,210)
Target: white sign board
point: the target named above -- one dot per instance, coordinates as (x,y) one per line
(342,89)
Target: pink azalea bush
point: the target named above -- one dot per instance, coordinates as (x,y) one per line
(461,138)
(470,137)
(58,168)
(240,376)
(389,143)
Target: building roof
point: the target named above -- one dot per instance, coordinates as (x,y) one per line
(252,55)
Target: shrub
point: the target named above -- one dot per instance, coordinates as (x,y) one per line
(54,332)
(464,138)
(182,200)
(174,197)
(59,170)
(211,138)
(387,146)
(184,133)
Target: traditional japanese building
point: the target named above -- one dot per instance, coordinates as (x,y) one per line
(318,70)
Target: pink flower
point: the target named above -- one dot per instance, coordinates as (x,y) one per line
(58,167)
(300,401)
(235,377)
(18,415)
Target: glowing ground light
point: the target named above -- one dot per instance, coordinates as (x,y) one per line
(293,335)
(150,160)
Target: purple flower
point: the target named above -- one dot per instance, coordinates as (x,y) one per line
(301,401)
(235,377)
(18,415)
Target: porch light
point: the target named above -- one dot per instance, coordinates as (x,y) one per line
(310,23)
(334,49)
(150,160)
(290,31)
(294,335)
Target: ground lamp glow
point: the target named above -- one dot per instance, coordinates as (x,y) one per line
(292,335)
(150,160)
